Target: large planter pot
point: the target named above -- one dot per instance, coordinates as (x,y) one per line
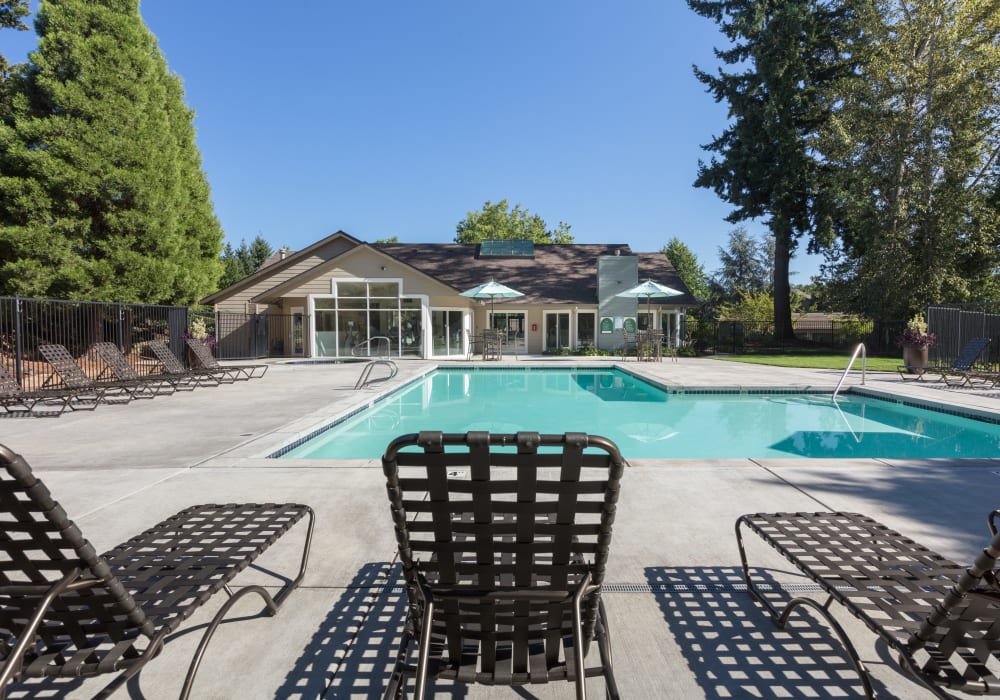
(915,358)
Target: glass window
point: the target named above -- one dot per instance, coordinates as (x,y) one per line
(365,310)
(384,289)
(352,289)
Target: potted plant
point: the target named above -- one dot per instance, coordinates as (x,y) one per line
(915,341)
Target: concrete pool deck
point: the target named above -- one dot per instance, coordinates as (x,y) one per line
(683,627)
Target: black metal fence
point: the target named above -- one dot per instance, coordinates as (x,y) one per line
(741,337)
(255,336)
(27,323)
(954,325)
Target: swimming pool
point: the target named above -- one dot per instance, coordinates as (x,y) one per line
(649,421)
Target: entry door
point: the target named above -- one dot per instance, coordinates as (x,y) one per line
(297,340)
(556,330)
(585,329)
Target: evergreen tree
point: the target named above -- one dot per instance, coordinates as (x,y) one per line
(691,272)
(499,221)
(786,53)
(102,195)
(241,262)
(746,266)
(12,12)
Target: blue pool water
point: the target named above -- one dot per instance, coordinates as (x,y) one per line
(647,421)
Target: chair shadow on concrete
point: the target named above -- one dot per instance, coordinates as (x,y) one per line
(353,649)
(732,647)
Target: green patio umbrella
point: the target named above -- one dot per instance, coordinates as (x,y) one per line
(491,290)
(649,289)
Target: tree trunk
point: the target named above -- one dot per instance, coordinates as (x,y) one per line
(782,291)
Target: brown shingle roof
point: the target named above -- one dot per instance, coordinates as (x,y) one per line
(558,273)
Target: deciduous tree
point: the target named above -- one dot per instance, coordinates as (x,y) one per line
(916,146)
(499,221)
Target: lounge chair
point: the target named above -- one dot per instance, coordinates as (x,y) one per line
(942,619)
(16,401)
(503,568)
(65,611)
(68,376)
(117,368)
(183,377)
(961,366)
(203,355)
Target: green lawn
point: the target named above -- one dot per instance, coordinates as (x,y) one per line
(876,364)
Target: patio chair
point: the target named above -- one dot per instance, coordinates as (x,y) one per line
(117,368)
(961,366)
(16,401)
(69,376)
(185,378)
(629,346)
(475,343)
(67,611)
(492,344)
(503,569)
(942,619)
(203,356)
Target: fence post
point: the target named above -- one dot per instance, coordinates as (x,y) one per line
(121,322)
(18,343)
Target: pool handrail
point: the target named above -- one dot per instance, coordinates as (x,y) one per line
(864,363)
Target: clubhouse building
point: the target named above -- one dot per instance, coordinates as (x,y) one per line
(339,296)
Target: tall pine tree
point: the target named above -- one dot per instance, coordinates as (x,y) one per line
(102,195)
(785,53)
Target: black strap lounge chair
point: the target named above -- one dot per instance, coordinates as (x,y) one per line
(118,368)
(961,367)
(504,542)
(68,376)
(67,611)
(203,355)
(40,402)
(942,619)
(184,377)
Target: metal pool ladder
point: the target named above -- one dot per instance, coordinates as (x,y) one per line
(366,374)
(864,362)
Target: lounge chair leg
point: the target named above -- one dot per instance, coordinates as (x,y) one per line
(395,687)
(581,676)
(859,665)
(423,660)
(604,647)
(780,618)
(210,631)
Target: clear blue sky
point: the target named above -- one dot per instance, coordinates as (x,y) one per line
(396,118)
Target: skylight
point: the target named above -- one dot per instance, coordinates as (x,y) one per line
(507,248)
